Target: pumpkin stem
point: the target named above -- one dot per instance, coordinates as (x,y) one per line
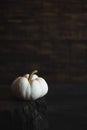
(31,75)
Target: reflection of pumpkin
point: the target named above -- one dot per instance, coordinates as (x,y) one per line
(29,87)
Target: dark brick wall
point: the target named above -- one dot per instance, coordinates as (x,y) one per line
(48,35)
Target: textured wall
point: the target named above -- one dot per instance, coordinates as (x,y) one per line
(48,35)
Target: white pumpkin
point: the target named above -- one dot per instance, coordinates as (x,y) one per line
(29,87)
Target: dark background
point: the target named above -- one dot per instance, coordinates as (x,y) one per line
(51,36)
